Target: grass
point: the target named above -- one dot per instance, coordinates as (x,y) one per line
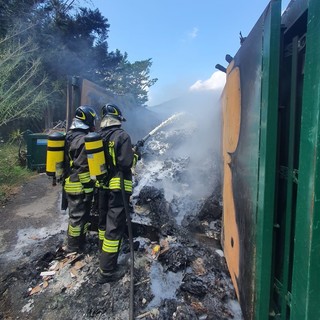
(12,174)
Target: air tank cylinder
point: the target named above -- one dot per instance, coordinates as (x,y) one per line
(55,155)
(96,157)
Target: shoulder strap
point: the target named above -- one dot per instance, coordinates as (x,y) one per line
(70,136)
(106,134)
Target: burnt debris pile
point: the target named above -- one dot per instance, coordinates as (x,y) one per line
(179,267)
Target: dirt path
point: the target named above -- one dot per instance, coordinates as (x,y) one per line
(30,217)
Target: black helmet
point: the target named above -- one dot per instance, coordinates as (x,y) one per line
(87,115)
(112,110)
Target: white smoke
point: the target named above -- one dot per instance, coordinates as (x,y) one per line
(215,82)
(183,158)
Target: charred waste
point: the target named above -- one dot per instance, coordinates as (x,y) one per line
(179,267)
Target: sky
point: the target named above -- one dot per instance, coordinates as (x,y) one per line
(184,38)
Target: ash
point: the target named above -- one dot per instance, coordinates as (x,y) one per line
(179,268)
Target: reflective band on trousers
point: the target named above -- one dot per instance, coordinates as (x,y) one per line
(73,187)
(84,177)
(115,184)
(110,246)
(74,231)
(101,234)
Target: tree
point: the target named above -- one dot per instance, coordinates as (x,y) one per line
(67,40)
(22,83)
(130,78)
(12,11)
(139,79)
(78,45)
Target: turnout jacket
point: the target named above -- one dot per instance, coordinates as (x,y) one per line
(119,157)
(77,175)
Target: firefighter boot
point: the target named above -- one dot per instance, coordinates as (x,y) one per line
(83,242)
(73,244)
(111,276)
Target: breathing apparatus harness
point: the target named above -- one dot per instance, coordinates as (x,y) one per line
(110,161)
(103,180)
(68,163)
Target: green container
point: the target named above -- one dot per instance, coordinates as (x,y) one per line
(37,151)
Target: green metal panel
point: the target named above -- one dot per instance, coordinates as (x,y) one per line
(288,142)
(249,166)
(36,151)
(292,58)
(287,231)
(306,266)
(242,168)
(267,160)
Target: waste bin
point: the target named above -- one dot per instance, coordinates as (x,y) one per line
(37,151)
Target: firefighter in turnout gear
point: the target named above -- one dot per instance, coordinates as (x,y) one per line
(120,158)
(77,184)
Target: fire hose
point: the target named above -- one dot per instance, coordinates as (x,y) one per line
(139,144)
(126,208)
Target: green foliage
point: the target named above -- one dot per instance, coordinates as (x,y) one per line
(22,82)
(13,10)
(130,78)
(43,42)
(81,38)
(11,173)
(16,136)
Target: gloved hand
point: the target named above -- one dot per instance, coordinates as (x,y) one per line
(140,144)
(137,154)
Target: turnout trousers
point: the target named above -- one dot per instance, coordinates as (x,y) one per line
(112,219)
(79,214)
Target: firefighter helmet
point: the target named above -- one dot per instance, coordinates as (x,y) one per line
(86,115)
(113,111)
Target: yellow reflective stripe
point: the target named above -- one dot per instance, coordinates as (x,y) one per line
(112,153)
(74,231)
(127,184)
(101,234)
(135,160)
(110,246)
(115,184)
(88,190)
(73,187)
(84,177)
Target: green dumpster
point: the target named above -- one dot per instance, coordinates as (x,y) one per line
(37,151)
